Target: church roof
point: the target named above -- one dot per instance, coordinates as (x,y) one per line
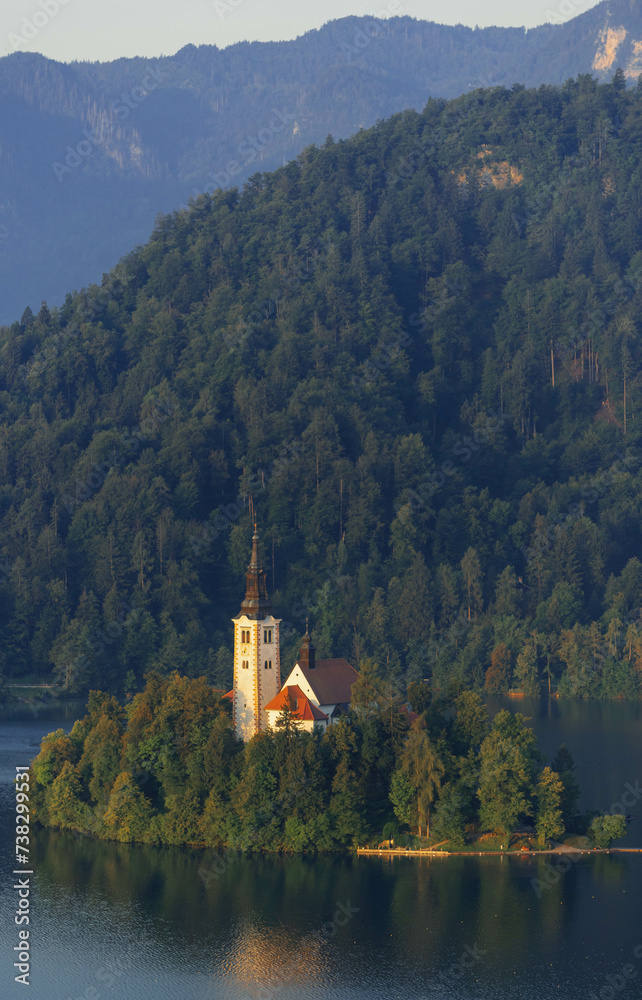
(331,681)
(293,696)
(408,714)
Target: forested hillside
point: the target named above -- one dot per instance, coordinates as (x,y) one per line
(91,152)
(413,356)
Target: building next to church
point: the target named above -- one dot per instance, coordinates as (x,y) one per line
(317,692)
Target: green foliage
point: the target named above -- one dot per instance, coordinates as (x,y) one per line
(549,817)
(64,805)
(509,760)
(128,815)
(367,695)
(471,722)
(430,495)
(605,829)
(498,675)
(564,765)
(169,770)
(424,770)
(56,750)
(527,672)
(419,696)
(100,761)
(449,820)
(403,797)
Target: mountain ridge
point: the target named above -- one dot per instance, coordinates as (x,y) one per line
(89,154)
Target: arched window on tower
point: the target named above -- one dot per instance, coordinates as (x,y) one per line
(245,665)
(268,664)
(267,635)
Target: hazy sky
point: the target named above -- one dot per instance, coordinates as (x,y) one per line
(107,29)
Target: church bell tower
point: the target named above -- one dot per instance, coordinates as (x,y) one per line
(257,654)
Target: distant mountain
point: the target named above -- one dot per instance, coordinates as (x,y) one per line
(90,153)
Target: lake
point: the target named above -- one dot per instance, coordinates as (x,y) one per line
(116,921)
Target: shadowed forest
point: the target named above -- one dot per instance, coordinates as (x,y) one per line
(413,356)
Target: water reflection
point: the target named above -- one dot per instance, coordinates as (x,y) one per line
(256,929)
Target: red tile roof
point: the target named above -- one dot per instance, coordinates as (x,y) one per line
(409,714)
(331,681)
(291,696)
(310,711)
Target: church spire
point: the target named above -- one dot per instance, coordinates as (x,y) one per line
(307,653)
(256,604)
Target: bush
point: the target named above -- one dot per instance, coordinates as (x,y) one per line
(605,829)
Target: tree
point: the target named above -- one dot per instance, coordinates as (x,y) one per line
(100,762)
(499,673)
(253,798)
(419,696)
(347,808)
(142,561)
(367,696)
(64,805)
(471,722)
(507,594)
(424,771)
(287,723)
(471,572)
(509,760)
(605,829)
(56,750)
(129,814)
(526,673)
(564,765)
(72,657)
(549,819)
(403,797)
(449,820)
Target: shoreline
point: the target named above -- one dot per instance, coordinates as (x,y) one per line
(431,853)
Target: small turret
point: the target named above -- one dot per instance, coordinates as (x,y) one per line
(307,658)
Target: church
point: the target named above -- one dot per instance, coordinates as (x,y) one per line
(317,691)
